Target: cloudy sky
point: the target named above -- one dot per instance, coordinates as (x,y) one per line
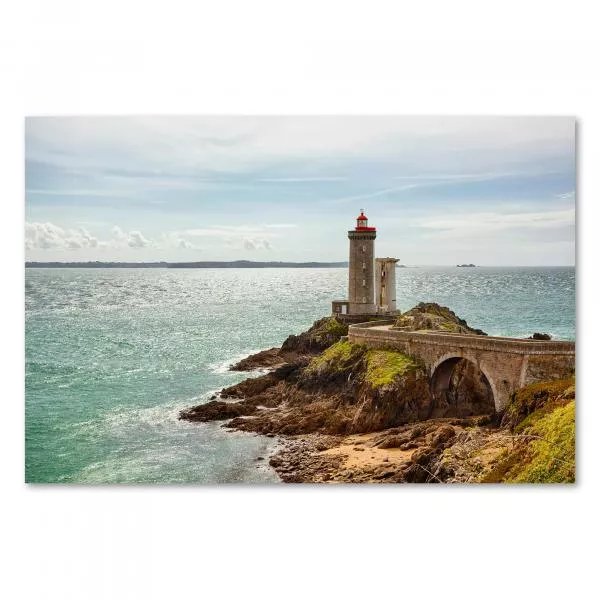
(440,190)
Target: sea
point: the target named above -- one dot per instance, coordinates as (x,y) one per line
(113,355)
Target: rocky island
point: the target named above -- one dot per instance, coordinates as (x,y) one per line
(346,412)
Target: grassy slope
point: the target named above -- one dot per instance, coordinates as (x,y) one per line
(541,417)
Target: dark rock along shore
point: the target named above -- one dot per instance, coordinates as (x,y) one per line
(352,414)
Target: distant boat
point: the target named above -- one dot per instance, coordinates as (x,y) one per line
(465,265)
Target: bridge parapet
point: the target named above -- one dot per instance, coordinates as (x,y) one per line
(382,332)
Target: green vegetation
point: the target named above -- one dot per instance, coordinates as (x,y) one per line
(322,334)
(383,366)
(335,327)
(328,330)
(550,457)
(339,357)
(380,367)
(529,399)
(542,419)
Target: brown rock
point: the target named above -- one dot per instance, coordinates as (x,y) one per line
(540,336)
(260,360)
(249,387)
(443,434)
(217,411)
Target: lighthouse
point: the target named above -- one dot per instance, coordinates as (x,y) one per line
(361,267)
(371,281)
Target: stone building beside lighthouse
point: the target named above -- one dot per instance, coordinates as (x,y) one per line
(385,288)
(371,281)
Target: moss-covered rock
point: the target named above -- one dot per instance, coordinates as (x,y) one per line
(340,357)
(384,366)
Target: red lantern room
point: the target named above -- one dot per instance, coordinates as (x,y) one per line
(362,223)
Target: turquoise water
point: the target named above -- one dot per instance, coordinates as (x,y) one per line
(112,355)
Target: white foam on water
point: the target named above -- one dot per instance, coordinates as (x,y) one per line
(222,368)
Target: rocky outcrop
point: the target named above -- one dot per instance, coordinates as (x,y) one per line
(216,410)
(347,389)
(322,334)
(261,360)
(546,337)
(429,316)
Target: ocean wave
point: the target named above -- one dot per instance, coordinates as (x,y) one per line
(222,367)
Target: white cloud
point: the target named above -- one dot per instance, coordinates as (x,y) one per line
(173,239)
(469,224)
(118,233)
(567,195)
(465,177)
(256,244)
(133,239)
(90,240)
(227,231)
(47,236)
(137,240)
(44,235)
(441,180)
(299,179)
(376,193)
(69,192)
(248,237)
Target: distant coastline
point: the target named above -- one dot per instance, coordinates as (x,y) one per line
(236,264)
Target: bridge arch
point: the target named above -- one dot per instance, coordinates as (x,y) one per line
(443,368)
(506,363)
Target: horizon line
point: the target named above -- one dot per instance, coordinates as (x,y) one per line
(336,262)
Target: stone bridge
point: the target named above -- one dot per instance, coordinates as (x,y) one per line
(507,363)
